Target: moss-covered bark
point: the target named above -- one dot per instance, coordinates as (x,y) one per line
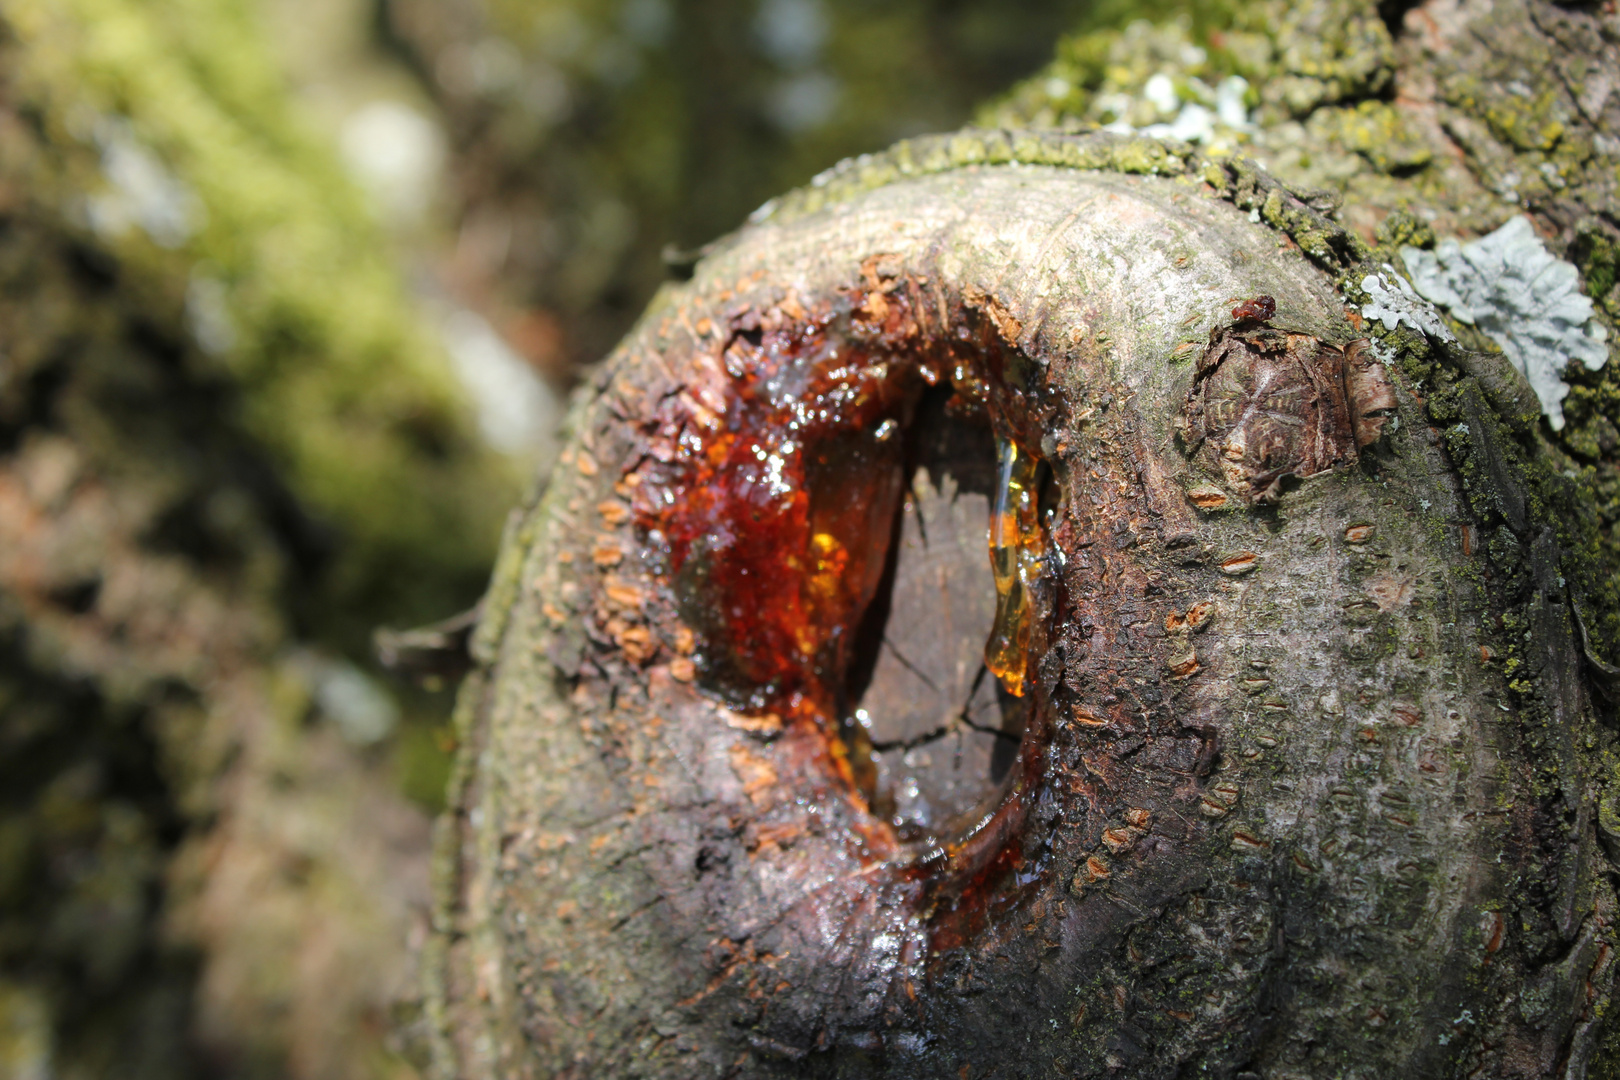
(1353,823)
(227,450)
(1451,121)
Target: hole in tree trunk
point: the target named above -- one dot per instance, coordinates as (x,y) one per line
(932,734)
(825,518)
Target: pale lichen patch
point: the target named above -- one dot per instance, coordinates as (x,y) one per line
(1528,301)
(1392,301)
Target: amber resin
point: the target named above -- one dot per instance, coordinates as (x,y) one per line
(776,500)
(1017,543)
(770,497)
(777,515)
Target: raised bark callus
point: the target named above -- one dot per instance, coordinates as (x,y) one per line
(1269,802)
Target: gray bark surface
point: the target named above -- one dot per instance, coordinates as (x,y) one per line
(1311,832)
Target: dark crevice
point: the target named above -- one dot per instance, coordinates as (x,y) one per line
(32,405)
(908,665)
(94,267)
(78,597)
(83,787)
(866,645)
(1012,738)
(1393,13)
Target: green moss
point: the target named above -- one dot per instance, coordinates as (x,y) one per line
(338,377)
(1520,487)
(1495,460)
(1526,123)
(1305,217)
(1298,59)
(1596,253)
(931,154)
(1592,435)
(1608,816)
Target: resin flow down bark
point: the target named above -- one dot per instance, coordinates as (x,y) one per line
(1266,807)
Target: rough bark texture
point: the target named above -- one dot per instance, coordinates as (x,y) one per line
(1312,768)
(1430,119)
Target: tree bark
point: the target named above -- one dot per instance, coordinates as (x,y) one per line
(1308,623)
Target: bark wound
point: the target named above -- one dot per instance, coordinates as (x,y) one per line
(1267,405)
(1243,755)
(774,482)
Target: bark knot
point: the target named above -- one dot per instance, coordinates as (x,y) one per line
(1269,404)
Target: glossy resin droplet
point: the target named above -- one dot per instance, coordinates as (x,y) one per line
(1016,547)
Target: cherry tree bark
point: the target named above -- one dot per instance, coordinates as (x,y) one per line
(1288,751)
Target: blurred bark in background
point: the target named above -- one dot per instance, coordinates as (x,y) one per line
(588,136)
(229,446)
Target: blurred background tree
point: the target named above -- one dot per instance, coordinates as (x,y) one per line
(590,136)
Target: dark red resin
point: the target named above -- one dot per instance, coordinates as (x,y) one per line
(1257,309)
(773,492)
(776,519)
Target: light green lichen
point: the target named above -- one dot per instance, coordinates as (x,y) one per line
(1525,299)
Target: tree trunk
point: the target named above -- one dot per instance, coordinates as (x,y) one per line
(1295,619)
